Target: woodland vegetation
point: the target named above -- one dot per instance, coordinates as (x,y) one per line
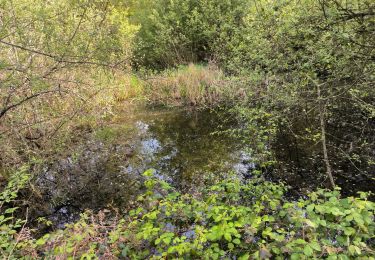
(66,66)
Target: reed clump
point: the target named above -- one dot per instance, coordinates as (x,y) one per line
(194,85)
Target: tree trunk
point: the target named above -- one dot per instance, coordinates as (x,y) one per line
(323,137)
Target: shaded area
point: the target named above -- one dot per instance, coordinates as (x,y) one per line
(187,149)
(351,148)
(184,147)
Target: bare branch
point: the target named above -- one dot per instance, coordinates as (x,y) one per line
(55,57)
(9,107)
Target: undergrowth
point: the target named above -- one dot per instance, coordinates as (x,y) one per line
(230,220)
(52,124)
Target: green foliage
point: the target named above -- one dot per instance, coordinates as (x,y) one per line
(9,225)
(55,59)
(295,45)
(294,36)
(72,31)
(281,50)
(233,219)
(260,128)
(230,219)
(179,32)
(287,50)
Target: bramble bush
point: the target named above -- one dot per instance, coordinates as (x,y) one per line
(230,220)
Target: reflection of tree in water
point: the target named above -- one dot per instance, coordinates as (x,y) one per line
(189,147)
(351,148)
(181,147)
(94,180)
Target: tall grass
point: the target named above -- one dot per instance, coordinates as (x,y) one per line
(194,85)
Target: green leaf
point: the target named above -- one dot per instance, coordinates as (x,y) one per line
(310,223)
(349,231)
(354,249)
(124,252)
(315,245)
(40,242)
(308,250)
(358,218)
(11,210)
(237,241)
(310,207)
(244,257)
(167,240)
(295,256)
(149,173)
(300,241)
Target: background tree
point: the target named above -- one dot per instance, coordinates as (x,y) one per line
(47,52)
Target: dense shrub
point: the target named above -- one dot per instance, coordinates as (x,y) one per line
(232,219)
(56,61)
(310,65)
(297,59)
(179,32)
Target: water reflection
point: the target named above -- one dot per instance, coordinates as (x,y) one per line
(180,145)
(183,147)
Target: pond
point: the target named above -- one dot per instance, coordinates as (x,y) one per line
(186,148)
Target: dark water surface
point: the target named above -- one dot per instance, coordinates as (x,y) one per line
(186,148)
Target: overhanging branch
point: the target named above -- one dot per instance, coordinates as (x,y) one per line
(55,57)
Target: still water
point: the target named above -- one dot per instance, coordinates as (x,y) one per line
(185,148)
(189,149)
